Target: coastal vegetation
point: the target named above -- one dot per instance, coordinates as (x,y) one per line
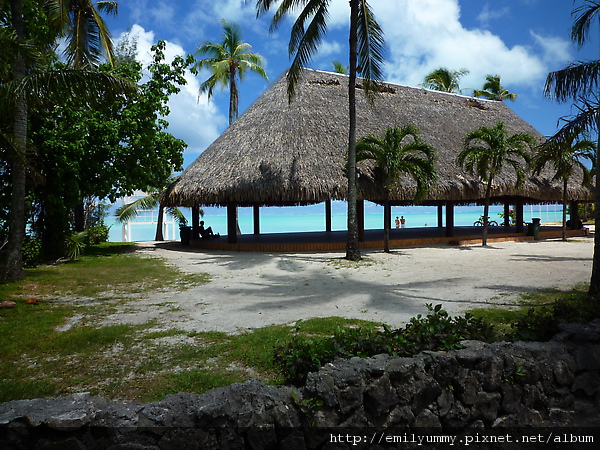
(228,62)
(400,151)
(486,153)
(444,80)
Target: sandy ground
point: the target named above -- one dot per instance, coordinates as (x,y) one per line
(250,290)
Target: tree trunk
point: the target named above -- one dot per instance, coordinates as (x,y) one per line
(159,223)
(79,215)
(13,269)
(564,214)
(353,246)
(387,218)
(486,212)
(232,98)
(595,279)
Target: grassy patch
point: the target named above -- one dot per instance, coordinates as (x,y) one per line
(57,347)
(49,348)
(503,318)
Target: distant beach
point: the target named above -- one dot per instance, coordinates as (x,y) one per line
(312,218)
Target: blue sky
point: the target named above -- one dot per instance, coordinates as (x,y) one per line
(520,40)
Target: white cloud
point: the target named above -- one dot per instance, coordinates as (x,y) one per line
(422,35)
(488,14)
(555,50)
(195,120)
(234,10)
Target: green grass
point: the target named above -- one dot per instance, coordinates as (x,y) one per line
(41,357)
(502,317)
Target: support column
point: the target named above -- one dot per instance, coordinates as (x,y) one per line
(360,215)
(328,215)
(506,213)
(449,219)
(574,216)
(387,216)
(440,211)
(231,223)
(195,222)
(256,214)
(519,214)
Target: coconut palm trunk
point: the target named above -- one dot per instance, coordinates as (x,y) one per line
(594,290)
(564,212)
(388,220)
(159,222)
(352,244)
(13,269)
(486,211)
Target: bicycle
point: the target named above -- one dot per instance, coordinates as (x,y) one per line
(479,223)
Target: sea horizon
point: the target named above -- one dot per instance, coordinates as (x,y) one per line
(299,219)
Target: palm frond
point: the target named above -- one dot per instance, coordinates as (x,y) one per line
(586,119)
(89,87)
(305,42)
(131,210)
(581,26)
(370,48)
(577,79)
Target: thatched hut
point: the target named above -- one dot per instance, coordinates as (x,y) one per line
(279,153)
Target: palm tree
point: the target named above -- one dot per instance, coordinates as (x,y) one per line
(366,51)
(444,80)
(13,268)
(87,36)
(493,90)
(152,200)
(580,81)
(338,67)
(33,84)
(399,151)
(485,153)
(566,155)
(228,62)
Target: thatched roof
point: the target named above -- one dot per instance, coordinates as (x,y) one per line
(281,153)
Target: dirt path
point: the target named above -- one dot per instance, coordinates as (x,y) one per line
(250,290)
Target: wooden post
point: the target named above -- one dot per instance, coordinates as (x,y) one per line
(231,223)
(360,217)
(449,219)
(519,214)
(328,215)
(506,213)
(574,216)
(195,222)
(440,211)
(256,213)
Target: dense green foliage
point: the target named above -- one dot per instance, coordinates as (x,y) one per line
(107,151)
(541,323)
(436,331)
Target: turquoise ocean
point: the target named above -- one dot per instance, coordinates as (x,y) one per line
(312,218)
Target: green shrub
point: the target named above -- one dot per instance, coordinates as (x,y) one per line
(97,234)
(541,323)
(436,331)
(31,251)
(75,245)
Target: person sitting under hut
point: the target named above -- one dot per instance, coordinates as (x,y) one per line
(207,233)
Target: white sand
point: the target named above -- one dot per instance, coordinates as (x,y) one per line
(251,289)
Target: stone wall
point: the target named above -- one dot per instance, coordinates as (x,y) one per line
(483,386)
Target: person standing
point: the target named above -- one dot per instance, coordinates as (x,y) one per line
(402,221)
(397,222)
